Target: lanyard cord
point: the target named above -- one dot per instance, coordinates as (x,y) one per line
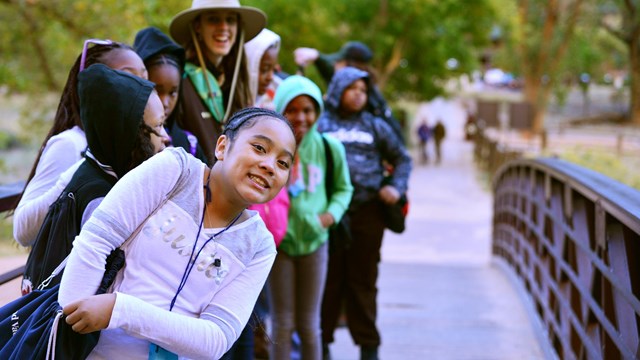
(192,260)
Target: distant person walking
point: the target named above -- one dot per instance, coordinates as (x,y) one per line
(439,132)
(424,133)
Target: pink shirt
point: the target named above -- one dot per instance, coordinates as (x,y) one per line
(275,214)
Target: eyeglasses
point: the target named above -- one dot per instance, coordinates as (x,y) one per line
(83,58)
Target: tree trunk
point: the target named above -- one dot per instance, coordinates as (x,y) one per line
(535,93)
(36,42)
(548,53)
(634,69)
(392,64)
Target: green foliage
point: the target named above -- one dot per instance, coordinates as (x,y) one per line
(590,52)
(8,246)
(591,49)
(411,39)
(605,162)
(59,28)
(6,140)
(36,118)
(561,94)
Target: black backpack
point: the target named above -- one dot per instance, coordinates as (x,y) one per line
(53,243)
(62,224)
(339,233)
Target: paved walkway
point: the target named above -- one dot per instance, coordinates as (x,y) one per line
(441,295)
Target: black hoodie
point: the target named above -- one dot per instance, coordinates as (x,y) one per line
(112,106)
(149,43)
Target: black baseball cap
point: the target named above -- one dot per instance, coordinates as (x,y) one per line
(352,51)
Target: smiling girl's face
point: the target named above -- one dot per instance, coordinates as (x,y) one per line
(217,30)
(256,164)
(301,113)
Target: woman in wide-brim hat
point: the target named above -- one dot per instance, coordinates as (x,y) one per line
(216,81)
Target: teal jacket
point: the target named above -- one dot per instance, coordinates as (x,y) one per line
(305,234)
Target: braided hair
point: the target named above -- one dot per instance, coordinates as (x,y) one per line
(163,59)
(168,59)
(248,117)
(68,112)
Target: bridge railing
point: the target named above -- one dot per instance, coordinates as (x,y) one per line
(573,237)
(490,154)
(8,196)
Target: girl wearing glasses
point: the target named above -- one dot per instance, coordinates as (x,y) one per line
(216,81)
(65,143)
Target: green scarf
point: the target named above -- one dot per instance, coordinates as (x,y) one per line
(214,102)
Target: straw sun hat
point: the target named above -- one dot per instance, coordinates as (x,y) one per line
(253,19)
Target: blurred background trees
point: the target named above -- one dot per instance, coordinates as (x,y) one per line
(411,39)
(621,19)
(42,38)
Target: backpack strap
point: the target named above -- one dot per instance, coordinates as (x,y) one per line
(328,181)
(135,233)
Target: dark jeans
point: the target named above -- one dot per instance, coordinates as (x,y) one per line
(352,276)
(438,146)
(242,349)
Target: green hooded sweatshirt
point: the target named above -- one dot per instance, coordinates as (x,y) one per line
(308,195)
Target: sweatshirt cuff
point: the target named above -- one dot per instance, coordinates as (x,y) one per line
(337,212)
(119,308)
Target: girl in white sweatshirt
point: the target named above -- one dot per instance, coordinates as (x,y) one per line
(194,271)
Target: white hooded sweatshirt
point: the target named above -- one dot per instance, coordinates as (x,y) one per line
(254,51)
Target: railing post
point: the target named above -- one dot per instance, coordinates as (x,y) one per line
(543,139)
(619,144)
